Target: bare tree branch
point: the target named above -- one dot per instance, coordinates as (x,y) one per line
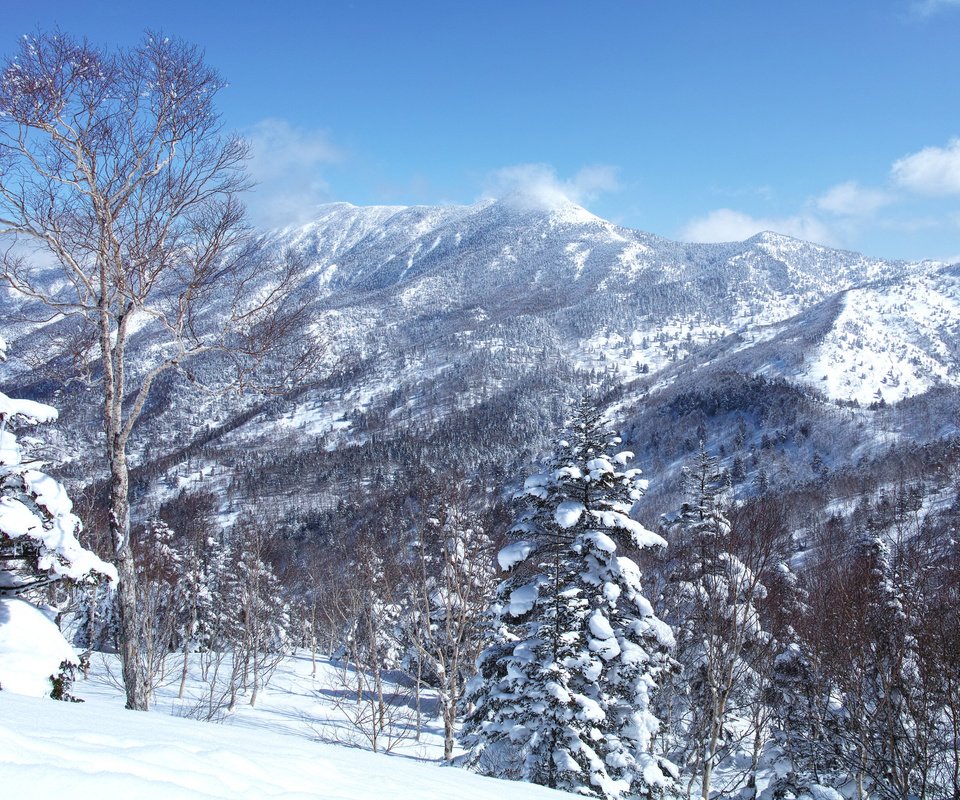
(115,166)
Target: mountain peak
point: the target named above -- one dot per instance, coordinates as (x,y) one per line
(771,237)
(559,207)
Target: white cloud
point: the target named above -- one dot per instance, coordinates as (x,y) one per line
(850,199)
(927,8)
(277,148)
(286,163)
(932,171)
(919,197)
(727,225)
(538,184)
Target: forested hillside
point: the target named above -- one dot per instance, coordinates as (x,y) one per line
(389,435)
(795,411)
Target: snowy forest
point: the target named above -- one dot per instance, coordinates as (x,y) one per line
(676,528)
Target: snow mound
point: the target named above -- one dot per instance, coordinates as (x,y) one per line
(513,554)
(31,650)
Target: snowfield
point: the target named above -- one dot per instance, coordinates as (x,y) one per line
(98,749)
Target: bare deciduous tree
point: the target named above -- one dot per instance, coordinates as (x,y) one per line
(115,169)
(452,579)
(364,601)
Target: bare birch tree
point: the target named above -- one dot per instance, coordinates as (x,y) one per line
(114,168)
(452,579)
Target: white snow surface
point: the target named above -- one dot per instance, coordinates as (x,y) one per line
(97,749)
(600,625)
(890,343)
(28,409)
(523,599)
(640,535)
(55,530)
(31,649)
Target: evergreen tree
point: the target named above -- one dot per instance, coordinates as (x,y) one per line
(887,712)
(806,727)
(256,612)
(708,598)
(563,695)
(203,563)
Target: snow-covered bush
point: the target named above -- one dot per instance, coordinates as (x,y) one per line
(38,546)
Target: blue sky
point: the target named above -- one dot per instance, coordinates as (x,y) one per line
(835,121)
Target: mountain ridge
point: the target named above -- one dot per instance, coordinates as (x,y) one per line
(491,315)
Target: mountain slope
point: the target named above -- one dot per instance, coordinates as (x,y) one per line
(494,251)
(457,334)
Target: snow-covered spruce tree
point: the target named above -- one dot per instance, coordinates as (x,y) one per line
(202,563)
(563,694)
(38,546)
(805,729)
(883,709)
(709,599)
(798,693)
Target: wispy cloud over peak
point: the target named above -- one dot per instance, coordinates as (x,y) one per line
(539,185)
(850,199)
(287,164)
(728,225)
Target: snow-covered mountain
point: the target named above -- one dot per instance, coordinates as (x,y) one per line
(504,251)
(880,342)
(459,332)
(508,275)
(825,384)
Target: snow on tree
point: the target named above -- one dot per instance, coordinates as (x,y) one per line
(805,730)
(38,546)
(160,597)
(256,613)
(885,721)
(709,598)
(451,579)
(563,695)
(202,557)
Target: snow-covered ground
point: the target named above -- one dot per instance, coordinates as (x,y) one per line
(97,749)
(890,343)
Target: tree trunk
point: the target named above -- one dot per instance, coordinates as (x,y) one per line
(134,681)
(91,629)
(187,638)
(449,719)
(418,692)
(313,641)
